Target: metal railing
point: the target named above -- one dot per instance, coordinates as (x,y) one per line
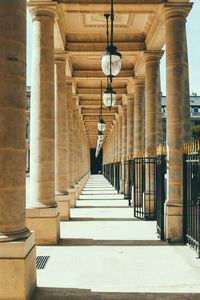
(145,188)
(160,194)
(128,179)
(191,200)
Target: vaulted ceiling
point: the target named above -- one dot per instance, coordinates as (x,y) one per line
(81,30)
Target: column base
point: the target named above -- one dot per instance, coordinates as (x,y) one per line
(122,186)
(18,269)
(46,224)
(174,222)
(76,188)
(64,206)
(72,197)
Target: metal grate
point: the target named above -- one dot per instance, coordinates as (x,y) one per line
(41,262)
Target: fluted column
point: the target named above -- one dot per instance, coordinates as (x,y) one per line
(62,198)
(42,137)
(177,97)
(124,143)
(17,249)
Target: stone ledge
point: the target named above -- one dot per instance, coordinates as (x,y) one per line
(49,212)
(17,249)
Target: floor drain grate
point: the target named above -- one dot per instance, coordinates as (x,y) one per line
(41,262)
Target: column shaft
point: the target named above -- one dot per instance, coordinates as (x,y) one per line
(177,96)
(124,144)
(17,245)
(139,117)
(43,214)
(130,126)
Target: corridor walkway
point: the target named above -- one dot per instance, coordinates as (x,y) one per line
(104,252)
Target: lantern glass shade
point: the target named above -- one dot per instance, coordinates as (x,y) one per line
(109,97)
(111,62)
(101,125)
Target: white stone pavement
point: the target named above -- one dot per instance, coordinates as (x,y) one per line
(104,249)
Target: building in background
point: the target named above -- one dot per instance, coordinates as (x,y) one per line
(194,112)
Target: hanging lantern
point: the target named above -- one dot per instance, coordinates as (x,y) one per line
(111,62)
(109,97)
(100,137)
(111,59)
(101,125)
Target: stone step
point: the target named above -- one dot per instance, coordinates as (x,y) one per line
(101,197)
(100,203)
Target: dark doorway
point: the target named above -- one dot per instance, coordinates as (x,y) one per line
(96,162)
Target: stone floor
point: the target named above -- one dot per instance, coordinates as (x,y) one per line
(105,253)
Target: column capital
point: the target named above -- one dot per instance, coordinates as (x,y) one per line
(130,97)
(139,81)
(176,10)
(60,56)
(69,81)
(152,56)
(43,9)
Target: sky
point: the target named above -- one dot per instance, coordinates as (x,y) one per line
(193,40)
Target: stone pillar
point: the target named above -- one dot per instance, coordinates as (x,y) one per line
(138,136)
(139,112)
(62,198)
(130,126)
(17,245)
(159,133)
(70,145)
(130,138)
(43,214)
(177,106)
(152,92)
(120,146)
(124,144)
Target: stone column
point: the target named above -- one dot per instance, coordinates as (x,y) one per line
(43,214)
(152,92)
(159,133)
(17,245)
(138,136)
(70,145)
(120,145)
(177,106)
(124,144)
(139,112)
(130,126)
(130,136)
(62,198)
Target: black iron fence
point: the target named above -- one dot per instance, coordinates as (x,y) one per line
(191,199)
(117,176)
(160,194)
(109,172)
(144,183)
(149,190)
(129,175)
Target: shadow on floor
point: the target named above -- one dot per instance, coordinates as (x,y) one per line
(42,293)
(91,242)
(105,219)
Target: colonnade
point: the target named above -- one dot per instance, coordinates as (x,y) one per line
(140,131)
(60,156)
(59,147)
